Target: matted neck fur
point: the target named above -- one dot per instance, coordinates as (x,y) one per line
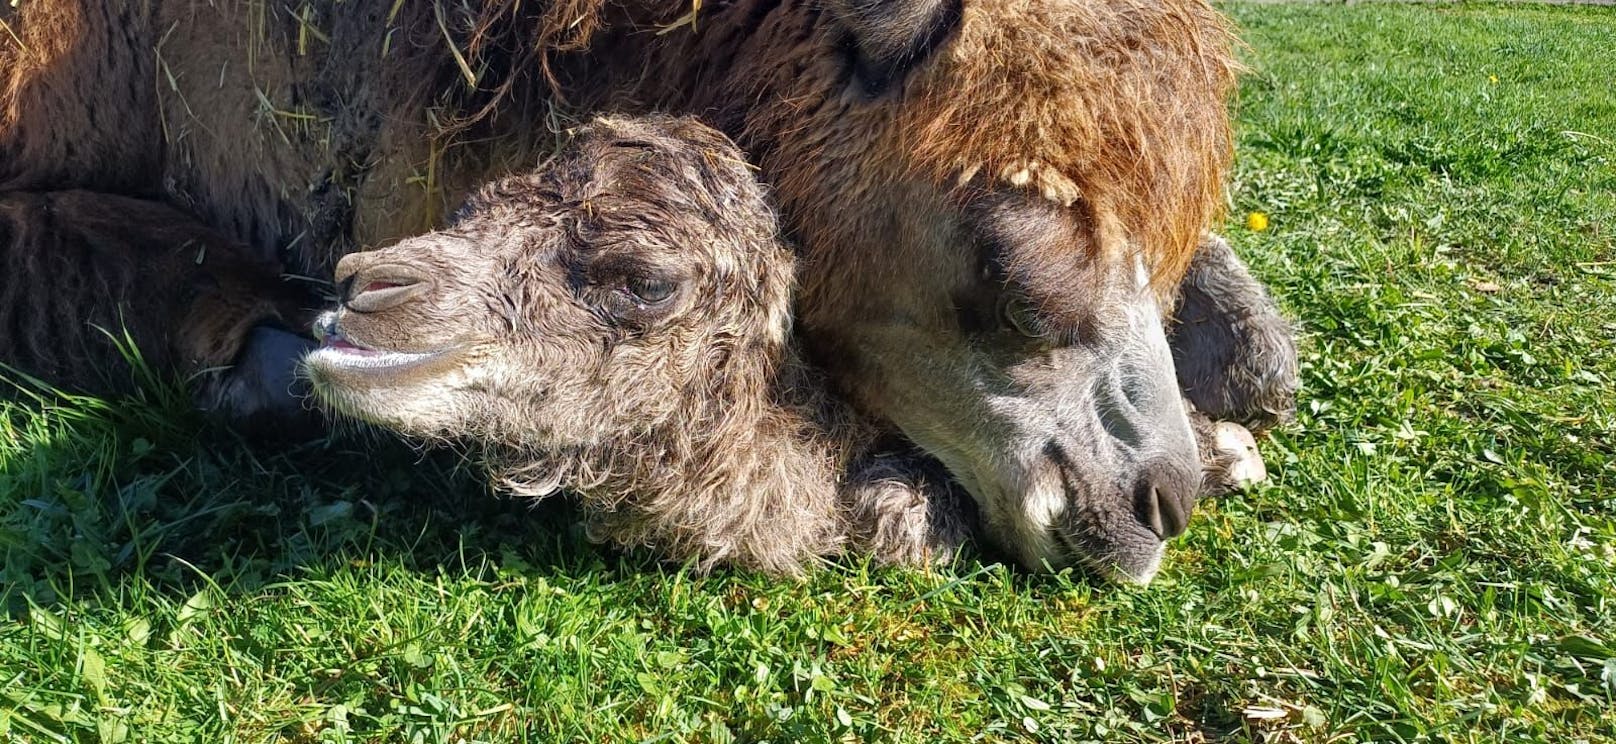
(616,324)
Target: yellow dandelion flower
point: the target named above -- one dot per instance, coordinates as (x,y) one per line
(1256,222)
(1492,79)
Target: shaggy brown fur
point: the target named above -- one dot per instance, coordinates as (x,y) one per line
(78,104)
(617,324)
(180,291)
(1129,109)
(1119,105)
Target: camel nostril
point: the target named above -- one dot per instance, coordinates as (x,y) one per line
(384,287)
(1164,504)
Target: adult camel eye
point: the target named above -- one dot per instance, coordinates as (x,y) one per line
(650,291)
(1019,314)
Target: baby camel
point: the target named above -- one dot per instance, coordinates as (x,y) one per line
(618,324)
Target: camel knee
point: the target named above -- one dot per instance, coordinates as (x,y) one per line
(1234,352)
(905,512)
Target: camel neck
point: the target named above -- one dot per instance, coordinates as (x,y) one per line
(749,481)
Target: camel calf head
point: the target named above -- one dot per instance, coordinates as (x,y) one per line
(592,299)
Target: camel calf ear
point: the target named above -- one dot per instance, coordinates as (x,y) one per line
(888,38)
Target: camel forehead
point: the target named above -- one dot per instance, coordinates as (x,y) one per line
(1063,75)
(1122,106)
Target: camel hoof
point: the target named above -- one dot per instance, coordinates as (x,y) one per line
(1246,464)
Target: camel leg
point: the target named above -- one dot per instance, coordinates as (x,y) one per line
(1236,362)
(906,510)
(92,275)
(1235,354)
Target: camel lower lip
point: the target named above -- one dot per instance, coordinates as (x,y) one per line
(353,357)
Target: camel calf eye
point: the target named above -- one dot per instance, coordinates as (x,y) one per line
(651,291)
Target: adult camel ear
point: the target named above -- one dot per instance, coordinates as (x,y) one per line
(888,38)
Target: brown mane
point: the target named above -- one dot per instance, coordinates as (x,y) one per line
(1145,128)
(1141,128)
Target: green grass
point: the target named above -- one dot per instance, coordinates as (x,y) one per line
(1434,560)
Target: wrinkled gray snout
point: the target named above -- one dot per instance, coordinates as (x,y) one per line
(1165,495)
